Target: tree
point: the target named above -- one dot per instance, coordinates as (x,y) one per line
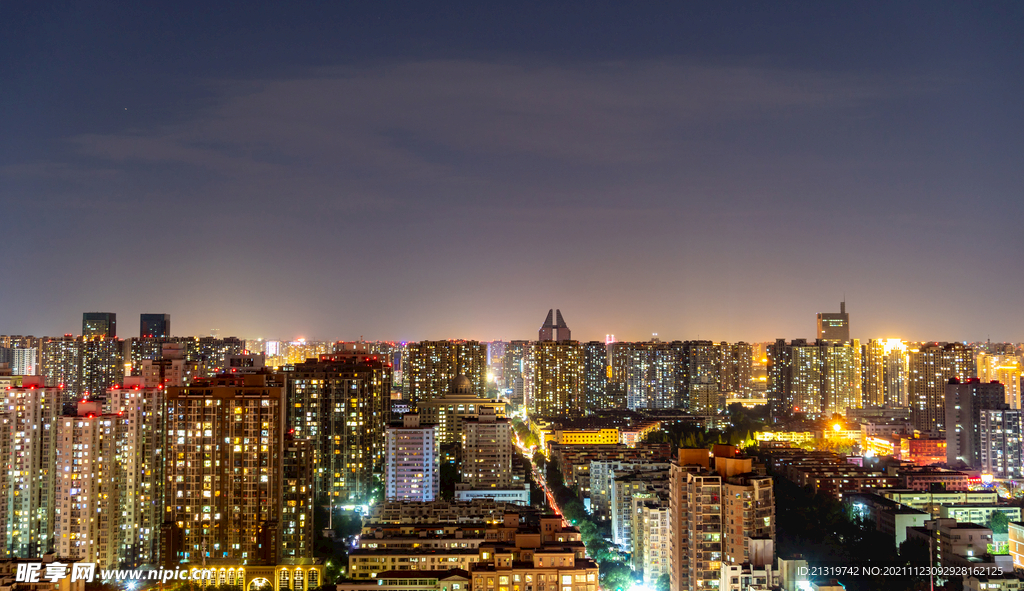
(663,583)
(1000,523)
(616,576)
(915,552)
(540,459)
(450,475)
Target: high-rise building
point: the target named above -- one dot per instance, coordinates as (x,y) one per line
(1002,368)
(627,367)
(99,324)
(169,368)
(101,367)
(873,373)
(141,464)
(86,491)
(224,470)
(557,379)
(1002,435)
(83,366)
(699,377)
(27,483)
(737,369)
(595,376)
(817,379)
(805,377)
(61,362)
(884,372)
(413,470)
(930,367)
(495,363)
(624,488)
(297,499)
(512,369)
(432,365)
(720,513)
(779,367)
(25,362)
(449,412)
(487,452)
(651,520)
(341,403)
(964,403)
(660,380)
(154,326)
(554,330)
(833,327)
(841,376)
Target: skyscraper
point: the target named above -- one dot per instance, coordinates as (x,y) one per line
(341,402)
(554,331)
(432,365)
(487,452)
(513,367)
(720,513)
(224,467)
(737,369)
(413,469)
(87,499)
(99,324)
(1002,368)
(101,367)
(297,499)
(816,379)
(25,362)
(83,366)
(841,376)
(141,441)
(834,327)
(699,377)
(557,379)
(154,326)
(930,368)
(964,403)
(27,482)
(779,369)
(1002,434)
(595,376)
(884,373)
(449,412)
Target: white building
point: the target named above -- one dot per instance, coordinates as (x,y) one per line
(25,362)
(744,577)
(413,470)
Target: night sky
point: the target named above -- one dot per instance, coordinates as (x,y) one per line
(443,170)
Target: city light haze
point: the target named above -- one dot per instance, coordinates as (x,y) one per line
(407,171)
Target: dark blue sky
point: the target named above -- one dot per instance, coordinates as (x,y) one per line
(408,170)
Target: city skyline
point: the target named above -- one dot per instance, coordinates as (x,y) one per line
(526,334)
(422,173)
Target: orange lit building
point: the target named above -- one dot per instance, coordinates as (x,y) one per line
(923,451)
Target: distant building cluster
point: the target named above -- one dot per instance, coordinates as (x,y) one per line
(168,450)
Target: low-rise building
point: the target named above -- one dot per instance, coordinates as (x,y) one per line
(745,577)
(932,502)
(888,516)
(1015,535)
(454,579)
(1008,581)
(960,544)
(928,478)
(978,513)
